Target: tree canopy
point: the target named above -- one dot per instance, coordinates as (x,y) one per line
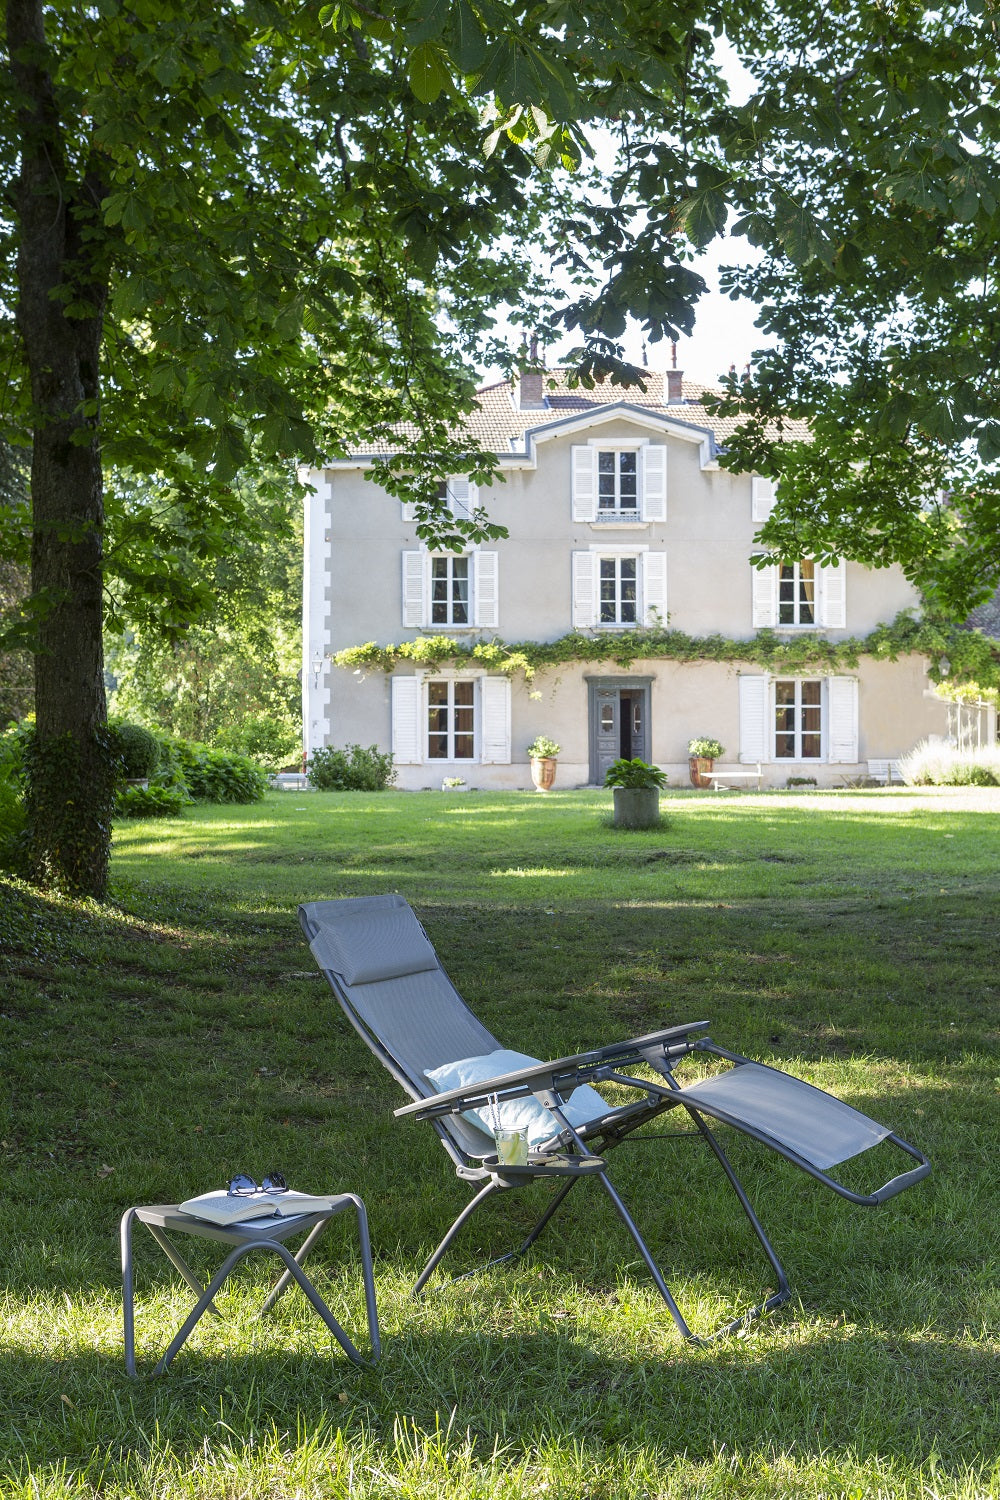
(254,233)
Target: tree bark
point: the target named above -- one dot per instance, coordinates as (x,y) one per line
(62,290)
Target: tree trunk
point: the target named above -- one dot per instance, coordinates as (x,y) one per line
(62,289)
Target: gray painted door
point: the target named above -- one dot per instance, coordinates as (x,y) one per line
(606,731)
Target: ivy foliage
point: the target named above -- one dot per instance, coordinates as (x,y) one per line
(964,663)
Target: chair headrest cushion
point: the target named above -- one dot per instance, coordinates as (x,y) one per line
(366,946)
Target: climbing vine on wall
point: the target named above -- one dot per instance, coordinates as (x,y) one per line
(965,663)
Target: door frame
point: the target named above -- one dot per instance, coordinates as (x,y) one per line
(597,685)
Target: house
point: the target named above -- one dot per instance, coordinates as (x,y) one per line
(629,558)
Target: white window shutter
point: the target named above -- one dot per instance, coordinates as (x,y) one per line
(495,736)
(833,595)
(754,736)
(764,583)
(584,590)
(463,496)
(409,512)
(654,588)
(415,566)
(653,459)
(407,698)
(485,596)
(762,498)
(843,718)
(584,482)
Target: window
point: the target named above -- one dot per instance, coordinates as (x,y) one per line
(617,481)
(451,720)
(621,485)
(619,593)
(798,720)
(618,587)
(797,593)
(449,590)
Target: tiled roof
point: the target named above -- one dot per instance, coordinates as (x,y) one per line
(500,425)
(986,617)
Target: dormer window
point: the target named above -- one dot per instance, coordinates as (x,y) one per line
(618,482)
(622,484)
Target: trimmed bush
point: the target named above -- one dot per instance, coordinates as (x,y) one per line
(219,775)
(938,764)
(351,769)
(138,747)
(150,802)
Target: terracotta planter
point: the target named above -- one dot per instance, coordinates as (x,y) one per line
(700,770)
(637,806)
(543,772)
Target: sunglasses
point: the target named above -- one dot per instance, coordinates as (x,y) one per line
(244,1187)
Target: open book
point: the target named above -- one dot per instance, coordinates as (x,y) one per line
(229,1208)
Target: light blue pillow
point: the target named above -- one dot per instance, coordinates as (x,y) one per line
(582,1106)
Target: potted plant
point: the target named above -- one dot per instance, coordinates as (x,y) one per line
(703,752)
(637,793)
(542,753)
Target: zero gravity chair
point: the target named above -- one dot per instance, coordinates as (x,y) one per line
(389,981)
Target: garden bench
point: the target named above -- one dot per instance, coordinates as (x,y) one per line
(886,771)
(721,778)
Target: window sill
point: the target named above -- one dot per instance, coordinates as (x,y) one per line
(618,523)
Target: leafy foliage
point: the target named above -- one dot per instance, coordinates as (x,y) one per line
(150,802)
(542,748)
(76,783)
(973,658)
(705,748)
(636,774)
(218,775)
(351,769)
(139,748)
(936,764)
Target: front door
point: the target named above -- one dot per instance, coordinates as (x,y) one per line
(618,724)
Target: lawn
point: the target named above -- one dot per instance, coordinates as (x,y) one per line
(157,1045)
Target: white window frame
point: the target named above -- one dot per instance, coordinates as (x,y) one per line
(829,597)
(410,727)
(417,604)
(838,720)
(651,482)
(797,601)
(459,491)
(798,730)
(616,560)
(651,587)
(451,730)
(447,561)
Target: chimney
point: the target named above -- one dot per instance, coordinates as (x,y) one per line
(675,379)
(529,384)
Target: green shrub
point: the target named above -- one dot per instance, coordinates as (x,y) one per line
(150,802)
(635,774)
(933,763)
(219,775)
(266,739)
(139,748)
(542,748)
(351,769)
(11,801)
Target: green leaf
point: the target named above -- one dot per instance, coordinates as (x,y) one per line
(427,71)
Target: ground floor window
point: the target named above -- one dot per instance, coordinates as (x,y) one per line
(798,720)
(451,720)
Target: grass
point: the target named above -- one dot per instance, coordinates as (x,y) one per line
(154,1046)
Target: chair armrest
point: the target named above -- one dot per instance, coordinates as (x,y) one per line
(563,1074)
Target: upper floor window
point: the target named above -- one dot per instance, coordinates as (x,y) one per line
(449,590)
(797,593)
(618,481)
(619,590)
(619,587)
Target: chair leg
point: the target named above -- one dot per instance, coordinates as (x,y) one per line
(651,1266)
(497,1260)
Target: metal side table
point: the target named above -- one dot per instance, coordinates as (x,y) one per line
(255,1234)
